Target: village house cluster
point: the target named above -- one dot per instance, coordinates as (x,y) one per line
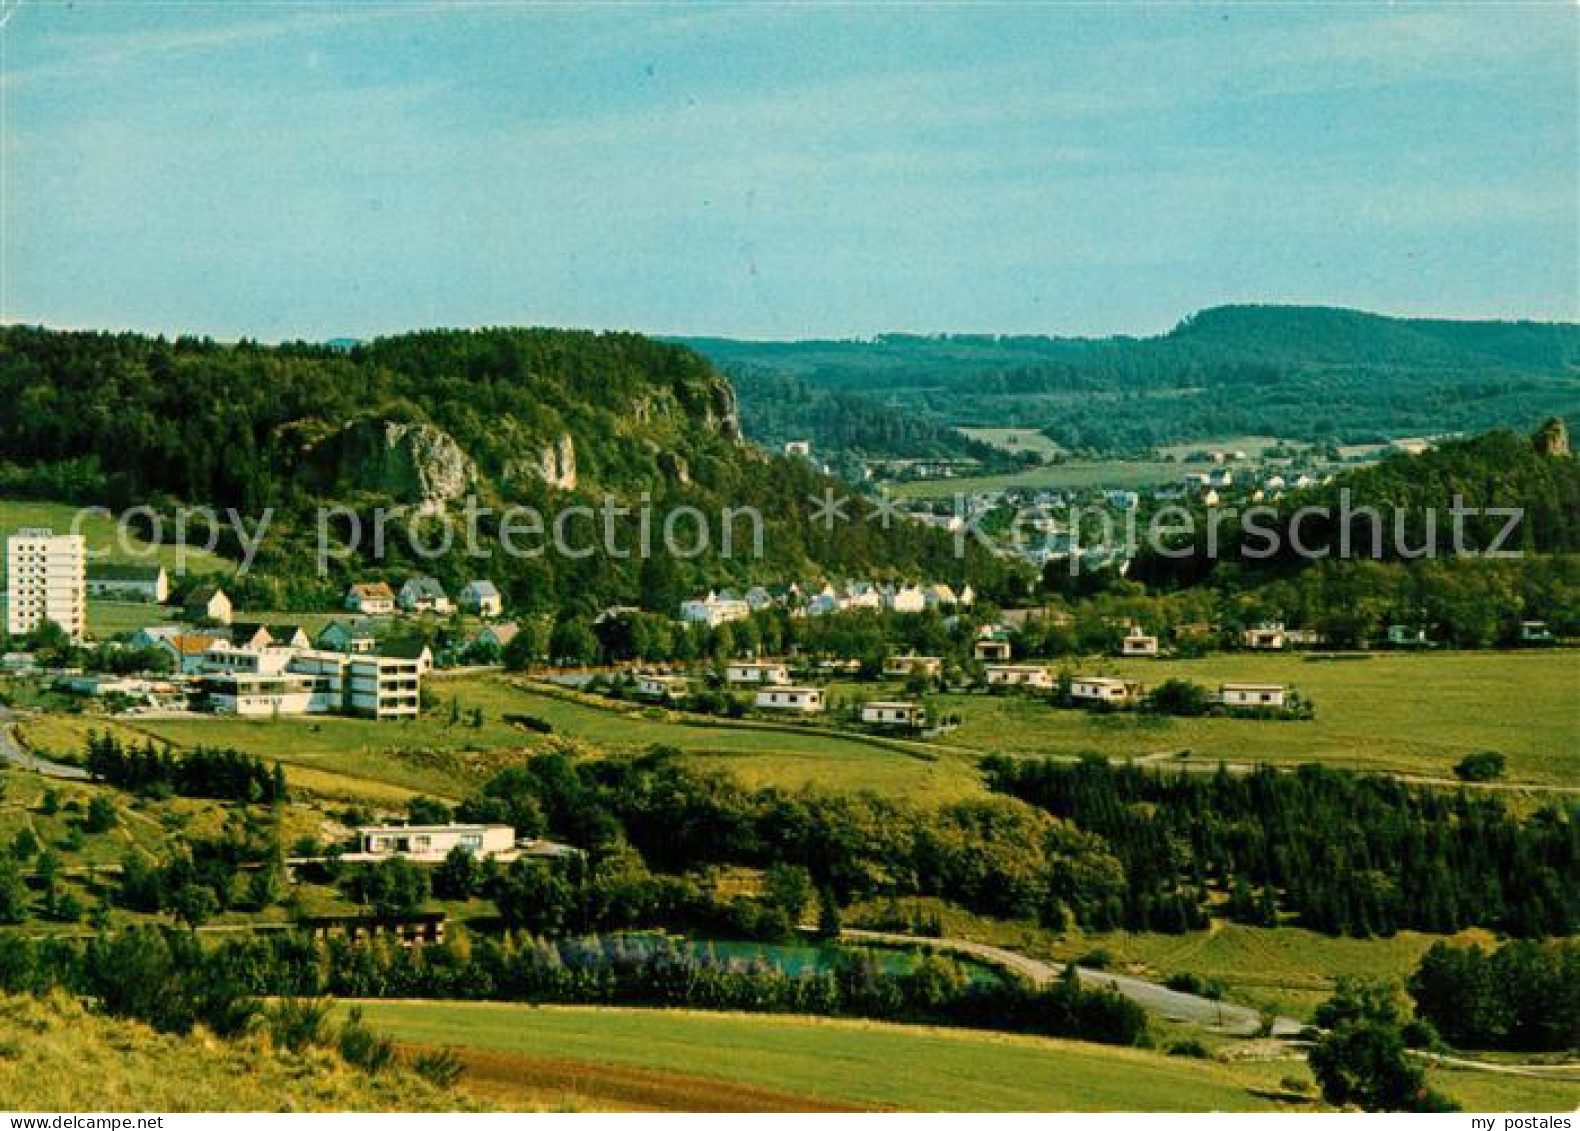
(351,667)
(721,606)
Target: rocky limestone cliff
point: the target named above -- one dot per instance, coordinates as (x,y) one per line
(1552,438)
(722,413)
(415,464)
(557,463)
(554,464)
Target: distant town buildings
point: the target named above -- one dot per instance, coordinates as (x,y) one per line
(715,609)
(903,667)
(821,599)
(1269,636)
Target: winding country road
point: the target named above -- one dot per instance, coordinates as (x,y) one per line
(12,753)
(1216,1016)
(1174,1005)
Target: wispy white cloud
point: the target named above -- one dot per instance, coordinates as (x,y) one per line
(77,53)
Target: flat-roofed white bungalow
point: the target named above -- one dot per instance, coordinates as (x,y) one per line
(1252,694)
(991,649)
(663,686)
(1138,643)
(430,844)
(894,713)
(1018,675)
(749,671)
(1266,637)
(806,700)
(1104,689)
(901,667)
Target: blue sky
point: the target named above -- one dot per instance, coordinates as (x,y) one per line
(313,170)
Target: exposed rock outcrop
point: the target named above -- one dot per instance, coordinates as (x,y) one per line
(1552,438)
(416,464)
(722,413)
(557,463)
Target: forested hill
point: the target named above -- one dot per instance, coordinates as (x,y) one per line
(1491,477)
(533,416)
(1224,371)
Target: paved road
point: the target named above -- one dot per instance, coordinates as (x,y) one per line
(13,753)
(1217,1016)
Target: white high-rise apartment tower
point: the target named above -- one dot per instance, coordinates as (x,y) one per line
(46,579)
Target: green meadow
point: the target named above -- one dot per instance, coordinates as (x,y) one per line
(1414,714)
(445,755)
(870,1064)
(105,542)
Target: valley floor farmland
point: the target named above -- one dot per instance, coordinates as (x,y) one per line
(531,1054)
(1414,714)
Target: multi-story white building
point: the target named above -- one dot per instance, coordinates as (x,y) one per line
(383,687)
(46,580)
(290,681)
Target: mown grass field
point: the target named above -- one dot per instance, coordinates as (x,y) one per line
(1014,440)
(1401,713)
(867,1064)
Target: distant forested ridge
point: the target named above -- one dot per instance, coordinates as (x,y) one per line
(1306,373)
(539,417)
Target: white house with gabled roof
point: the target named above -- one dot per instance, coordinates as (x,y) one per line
(481,598)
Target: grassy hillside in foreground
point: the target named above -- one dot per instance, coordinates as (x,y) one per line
(866,1064)
(55,1055)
